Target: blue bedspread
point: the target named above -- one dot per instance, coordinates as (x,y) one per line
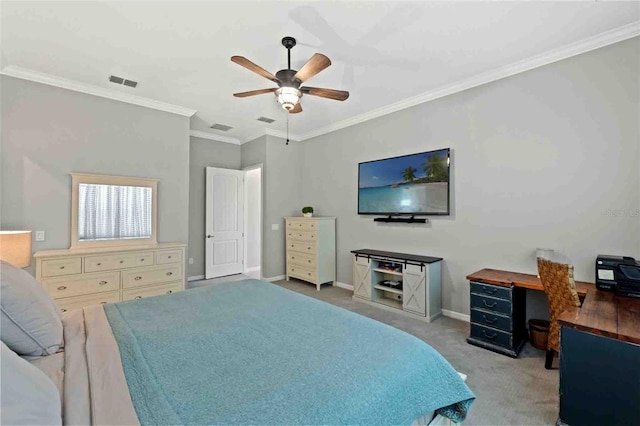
(251,352)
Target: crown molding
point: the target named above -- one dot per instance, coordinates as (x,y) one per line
(214,137)
(600,40)
(76,86)
(282,135)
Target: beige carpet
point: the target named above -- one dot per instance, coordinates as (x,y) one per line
(509,391)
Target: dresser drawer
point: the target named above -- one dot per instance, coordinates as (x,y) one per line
(491,319)
(295,235)
(154,275)
(139,293)
(57,267)
(302,247)
(305,260)
(302,225)
(168,256)
(489,303)
(82,284)
(302,273)
(491,290)
(78,302)
(489,334)
(118,261)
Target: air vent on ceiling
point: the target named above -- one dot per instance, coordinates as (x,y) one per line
(221,127)
(119,80)
(266,119)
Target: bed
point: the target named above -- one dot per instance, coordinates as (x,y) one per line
(247,352)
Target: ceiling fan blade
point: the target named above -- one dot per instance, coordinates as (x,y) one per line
(254,92)
(317,63)
(244,62)
(296,109)
(338,95)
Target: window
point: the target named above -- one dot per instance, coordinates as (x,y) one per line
(112,211)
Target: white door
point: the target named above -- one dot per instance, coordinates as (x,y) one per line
(225,222)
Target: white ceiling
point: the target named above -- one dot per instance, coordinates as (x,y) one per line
(382,52)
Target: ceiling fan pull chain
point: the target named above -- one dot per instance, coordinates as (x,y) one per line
(287,112)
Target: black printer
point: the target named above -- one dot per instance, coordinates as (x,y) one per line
(620,274)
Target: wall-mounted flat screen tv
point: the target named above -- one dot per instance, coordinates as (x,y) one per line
(416,184)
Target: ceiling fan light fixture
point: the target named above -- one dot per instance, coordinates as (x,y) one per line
(288,97)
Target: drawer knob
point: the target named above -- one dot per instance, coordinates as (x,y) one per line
(138,278)
(64,310)
(309,261)
(489,305)
(489,336)
(309,273)
(169,257)
(99,263)
(62,267)
(169,274)
(62,287)
(102,282)
(122,261)
(291,245)
(138,297)
(169,292)
(142,260)
(489,290)
(308,248)
(489,320)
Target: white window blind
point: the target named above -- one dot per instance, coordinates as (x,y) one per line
(107,212)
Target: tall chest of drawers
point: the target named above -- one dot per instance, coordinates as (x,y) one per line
(497,318)
(78,278)
(311,249)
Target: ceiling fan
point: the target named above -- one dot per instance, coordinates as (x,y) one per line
(289,92)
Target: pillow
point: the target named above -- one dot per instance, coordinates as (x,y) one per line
(31,322)
(29,397)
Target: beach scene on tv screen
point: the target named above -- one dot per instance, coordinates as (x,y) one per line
(416,183)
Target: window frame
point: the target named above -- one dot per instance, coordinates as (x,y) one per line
(80,178)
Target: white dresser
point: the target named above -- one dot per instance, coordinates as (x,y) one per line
(311,249)
(82,277)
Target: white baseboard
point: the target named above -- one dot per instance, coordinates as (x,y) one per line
(196,278)
(276,278)
(343,285)
(456,315)
(254,269)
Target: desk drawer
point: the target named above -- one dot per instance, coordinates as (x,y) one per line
(71,303)
(495,336)
(168,256)
(139,293)
(491,319)
(301,247)
(58,267)
(147,276)
(491,290)
(302,225)
(82,284)
(295,235)
(488,303)
(117,261)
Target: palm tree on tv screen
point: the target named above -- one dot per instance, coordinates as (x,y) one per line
(409,174)
(435,168)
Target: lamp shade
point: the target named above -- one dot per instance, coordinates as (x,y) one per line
(15,247)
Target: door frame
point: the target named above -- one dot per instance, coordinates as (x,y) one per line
(246,214)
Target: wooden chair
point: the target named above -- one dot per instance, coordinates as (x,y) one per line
(560,288)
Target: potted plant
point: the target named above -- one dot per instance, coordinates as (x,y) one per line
(307,211)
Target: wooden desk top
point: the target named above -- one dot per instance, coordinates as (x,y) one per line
(517,279)
(606,314)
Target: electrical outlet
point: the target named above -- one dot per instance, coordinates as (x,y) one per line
(39,235)
(191,261)
(275,226)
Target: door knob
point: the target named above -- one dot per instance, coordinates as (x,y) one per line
(209,236)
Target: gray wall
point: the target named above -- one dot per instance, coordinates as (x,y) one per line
(204,153)
(547,158)
(281,185)
(253,210)
(48,132)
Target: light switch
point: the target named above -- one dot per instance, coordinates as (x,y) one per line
(191,261)
(39,235)
(275,226)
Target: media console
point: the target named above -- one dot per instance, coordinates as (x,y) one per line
(405,282)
